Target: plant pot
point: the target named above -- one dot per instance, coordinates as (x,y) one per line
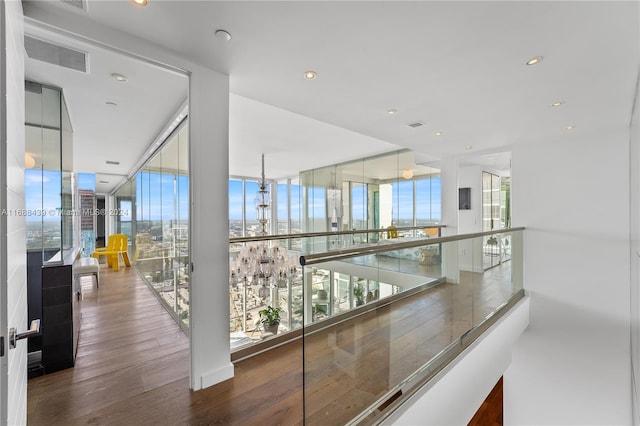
(271,328)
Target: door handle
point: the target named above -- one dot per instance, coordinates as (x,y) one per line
(14,336)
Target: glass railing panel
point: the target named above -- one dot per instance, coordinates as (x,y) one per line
(332,291)
(396,331)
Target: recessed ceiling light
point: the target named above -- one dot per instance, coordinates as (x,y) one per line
(438,133)
(310,75)
(223,35)
(557,104)
(113,163)
(104,181)
(490,158)
(119,77)
(140,2)
(468,147)
(570,128)
(111,104)
(534,61)
(392,112)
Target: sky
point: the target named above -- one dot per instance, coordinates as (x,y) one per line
(155,197)
(428,201)
(154,192)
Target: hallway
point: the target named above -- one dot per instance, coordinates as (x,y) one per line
(132,368)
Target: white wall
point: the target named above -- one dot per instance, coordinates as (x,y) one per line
(572,365)
(456,393)
(13,275)
(635,253)
(470,221)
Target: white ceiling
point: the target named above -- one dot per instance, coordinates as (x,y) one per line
(458,67)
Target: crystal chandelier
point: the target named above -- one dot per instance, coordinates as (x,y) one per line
(265,263)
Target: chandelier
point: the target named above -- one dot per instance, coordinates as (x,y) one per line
(265,263)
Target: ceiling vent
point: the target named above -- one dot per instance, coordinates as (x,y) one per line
(80,4)
(416,124)
(56,55)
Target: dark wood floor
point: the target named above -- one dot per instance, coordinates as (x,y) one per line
(133,361)
(491,412)
(133,366)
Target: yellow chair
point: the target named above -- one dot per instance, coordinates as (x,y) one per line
(392,232)
(117,246)
(431,232)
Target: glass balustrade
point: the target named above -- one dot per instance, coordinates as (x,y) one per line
(378,322)
(377,319)
(265,271)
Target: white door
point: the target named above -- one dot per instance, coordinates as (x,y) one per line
(13,276)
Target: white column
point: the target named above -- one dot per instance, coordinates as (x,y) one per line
(449,176)
(209,154)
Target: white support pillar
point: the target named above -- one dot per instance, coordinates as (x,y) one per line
(449,176)
(209,165)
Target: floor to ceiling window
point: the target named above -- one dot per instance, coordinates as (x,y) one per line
(370,193)
(428,200)
(153,211)
(496,214)
(363,194)
(377,192)
(88,212)
(49,181)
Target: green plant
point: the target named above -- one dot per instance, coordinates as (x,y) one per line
(358,292)
(270,316)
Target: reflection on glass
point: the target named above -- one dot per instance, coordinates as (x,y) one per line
(352,366)
(373,195)
(153,209)
(49,182)
(362,194)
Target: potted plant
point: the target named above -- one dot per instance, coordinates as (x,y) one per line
(358,292)
(270,319)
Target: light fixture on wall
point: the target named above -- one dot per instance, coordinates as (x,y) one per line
(29,161)
(407,173)
(264,263)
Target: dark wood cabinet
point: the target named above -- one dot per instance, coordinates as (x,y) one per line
(54,298)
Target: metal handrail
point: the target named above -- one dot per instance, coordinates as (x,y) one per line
(327,233)
(311,259)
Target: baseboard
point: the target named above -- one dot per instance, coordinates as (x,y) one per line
(214,377)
